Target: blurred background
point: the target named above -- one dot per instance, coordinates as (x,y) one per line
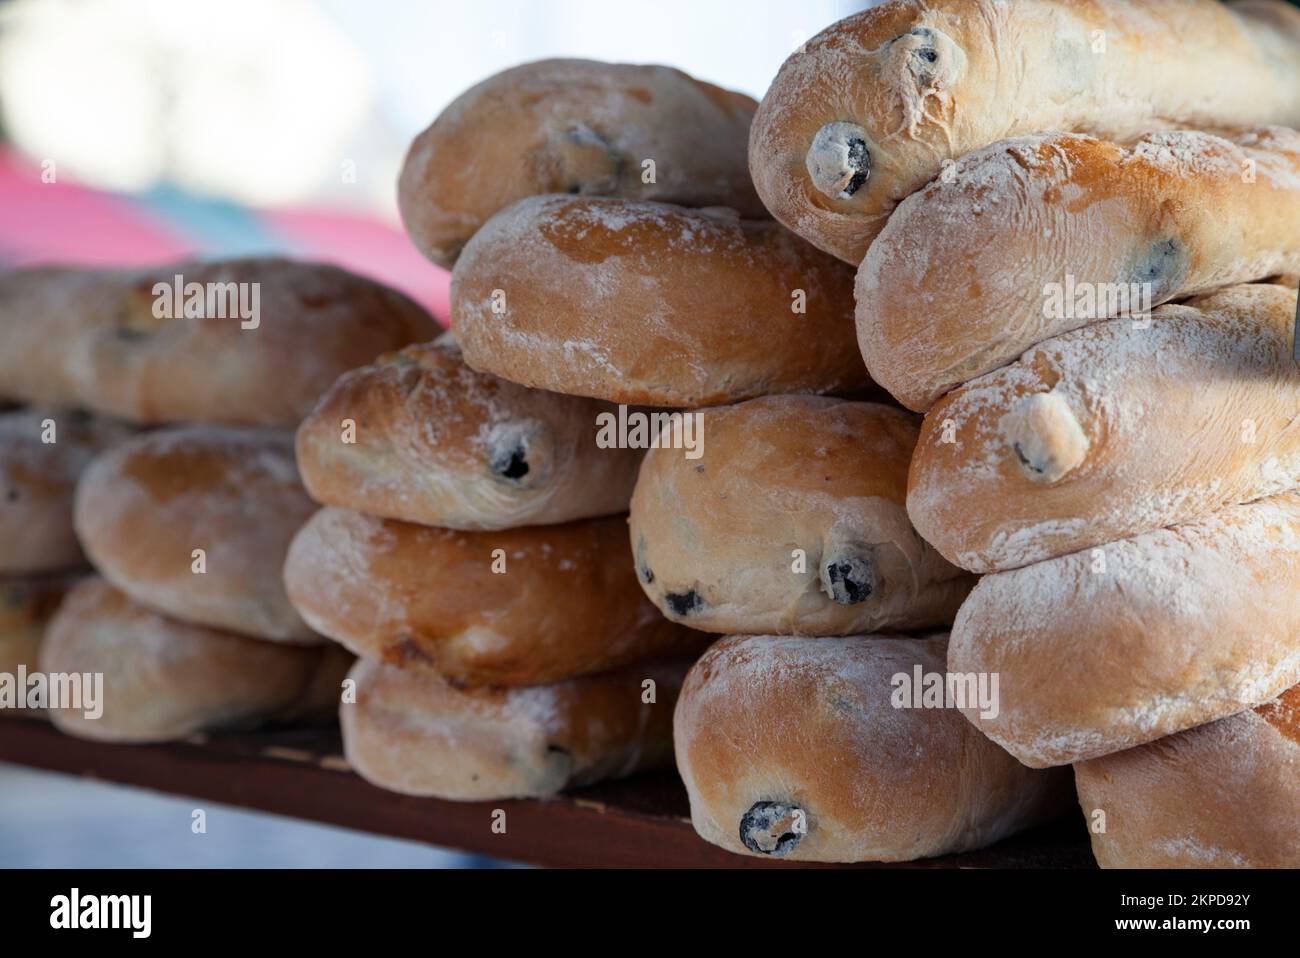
(135,132)
(139,131)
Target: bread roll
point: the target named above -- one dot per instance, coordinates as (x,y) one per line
(792,521)
(1102,650)
(164,679)
(144,507)
(415,733)
(655,304)
(26,606)
(574,126)
(1111,431)
(37,481)
(1033,237)
(794,747)
(562,602)
(868,110)
(434,442)
(95,338)
(1224,795)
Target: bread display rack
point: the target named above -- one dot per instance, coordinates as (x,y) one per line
(639,822)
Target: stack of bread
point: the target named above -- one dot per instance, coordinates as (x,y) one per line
(470,552)
(43,450)
(608,249)
(187,525)
(473,545)
(1126,478)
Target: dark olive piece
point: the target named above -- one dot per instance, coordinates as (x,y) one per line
(510,462)
(860,163)
(850,578)
(771,828)
(684,603)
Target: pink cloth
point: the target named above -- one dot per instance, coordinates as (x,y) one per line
(63,222)
(368,247)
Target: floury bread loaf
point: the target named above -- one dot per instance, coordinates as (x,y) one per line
(868,111)
(1035,236)
(42,453)
(239,342)
(638,302)
(415,733)
(792,521)
(812,749)
(195,521)
(574,126)
(419,436)
(514,607)
(1224,795)
(164,679)
(26,605)
(1114,430)
(1103,650)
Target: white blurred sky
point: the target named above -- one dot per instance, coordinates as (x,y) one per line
(270,102)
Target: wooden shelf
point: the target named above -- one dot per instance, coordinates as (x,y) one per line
(300,773)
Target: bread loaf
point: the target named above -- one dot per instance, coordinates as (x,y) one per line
(42,452)
(104,340)
(648,303)
(1224,795)
(1102,650)
(792,521)
(26,605)
(1111,431)
(146,508)
(413,732)
(514,607)
(420,436)
(868,111)
(164,679)
(1035,236)
(808,749)
(574,126)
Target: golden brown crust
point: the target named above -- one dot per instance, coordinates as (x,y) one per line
(164,679)
(566,604)
(1110,431)
(1032,237)
(791,521)
(1283,713)
(794,747)
(144,507)
(654,304)
(574,126)
(869,110)
(37,482)
(414,733)
(436,443)
(1156,634)
(1224,795)
(94,339)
